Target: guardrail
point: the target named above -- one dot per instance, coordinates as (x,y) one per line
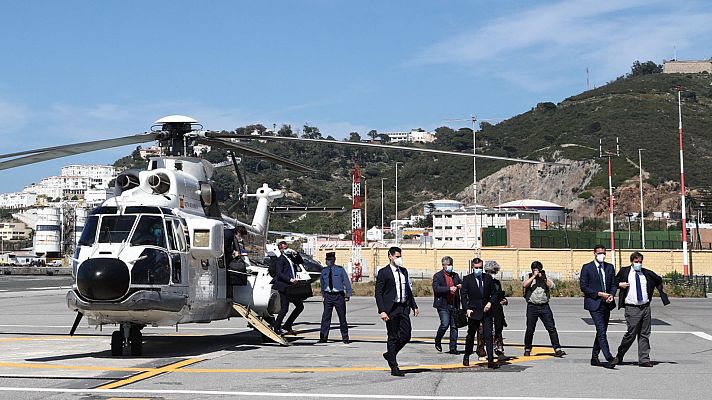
(22,270)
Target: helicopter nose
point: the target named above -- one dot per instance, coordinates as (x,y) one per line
(103,279)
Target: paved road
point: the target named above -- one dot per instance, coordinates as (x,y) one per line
(226,360)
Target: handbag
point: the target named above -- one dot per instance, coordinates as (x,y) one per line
(460,315)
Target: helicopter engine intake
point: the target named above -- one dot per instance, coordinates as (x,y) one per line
(160,183)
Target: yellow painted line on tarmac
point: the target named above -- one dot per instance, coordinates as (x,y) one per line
(71,367)
(148,374)
(40,338)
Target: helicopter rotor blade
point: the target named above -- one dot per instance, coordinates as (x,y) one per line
(50,153)
(253,152)
(376,145)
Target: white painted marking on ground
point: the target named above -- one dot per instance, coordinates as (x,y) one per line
(277,394)
(702,335)
(49,288)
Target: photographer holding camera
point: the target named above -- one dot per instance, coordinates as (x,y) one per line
(536,293)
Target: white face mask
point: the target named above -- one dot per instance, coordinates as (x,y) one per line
(398,262)
(637,266)
(600,257)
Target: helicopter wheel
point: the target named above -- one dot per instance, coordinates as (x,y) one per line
(136,341)
(117,343)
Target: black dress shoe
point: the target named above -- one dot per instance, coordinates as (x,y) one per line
(466,360)
(453,352)
(438,347)
(646,364)
(527,353)
(492,365)
(346,341)
(615,361)
(559,353)
(608,365)
(397,372)
(322,341)
(595,362)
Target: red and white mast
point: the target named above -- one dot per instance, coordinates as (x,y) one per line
(356,224)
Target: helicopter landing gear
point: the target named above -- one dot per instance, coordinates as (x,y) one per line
(128,336)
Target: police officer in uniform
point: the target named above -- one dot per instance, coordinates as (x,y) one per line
(336,291)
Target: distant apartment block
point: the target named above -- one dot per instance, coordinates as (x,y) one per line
(18,200)
(14,231)
(414,136)
(687,67)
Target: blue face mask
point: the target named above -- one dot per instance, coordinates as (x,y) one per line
(478,271)
(448,268)
(637,267)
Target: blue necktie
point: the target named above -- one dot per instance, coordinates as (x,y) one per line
(639,291)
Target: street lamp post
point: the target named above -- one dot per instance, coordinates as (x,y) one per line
(642,212)
(382,213)
(685,256)
(629,215)
(396,225)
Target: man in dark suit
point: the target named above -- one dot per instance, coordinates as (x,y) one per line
(598,284)
(636,286)
(446,289)
(478,294)
(286,276)
(394,300)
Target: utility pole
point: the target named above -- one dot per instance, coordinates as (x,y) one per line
(382,218)
(396,221)
(610,154)
(685,256)
(642,212)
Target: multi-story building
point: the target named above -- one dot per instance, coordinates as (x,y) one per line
(14,231)
(414,136)
(74,180)
(18,200)
(458,228)
(687,67)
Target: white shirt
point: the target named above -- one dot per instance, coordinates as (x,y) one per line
(599,267)
(400,289)
(632,296)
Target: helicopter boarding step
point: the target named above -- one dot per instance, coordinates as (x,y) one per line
(258,323)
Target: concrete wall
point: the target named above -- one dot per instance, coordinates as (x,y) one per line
(559,263)
(687,67)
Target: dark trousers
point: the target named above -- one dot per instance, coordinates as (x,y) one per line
(472,326)
(447,320)
(638,320)
(283,308)
(536,312)
(331,301)
(600,320)
(398,327)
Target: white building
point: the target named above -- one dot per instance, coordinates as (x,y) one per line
(548,212)
(441,205)
(18,199)
(152,151)
(457,228)
(74,180)
(94,197)
(374,234)
(414,136)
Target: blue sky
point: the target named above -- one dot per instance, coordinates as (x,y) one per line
(84,70)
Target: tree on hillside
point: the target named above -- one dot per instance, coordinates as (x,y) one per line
(311,132)
(373,134)
(286,131)
(354,137)
(645,68)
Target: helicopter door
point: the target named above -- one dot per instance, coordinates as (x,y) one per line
(175,252)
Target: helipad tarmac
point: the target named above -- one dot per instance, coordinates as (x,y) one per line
(226,359)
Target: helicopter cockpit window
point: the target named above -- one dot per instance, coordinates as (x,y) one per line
(115,228)
(89,233)
(180,235)
(104,210)
(171,237)
(141,210)
(149,232)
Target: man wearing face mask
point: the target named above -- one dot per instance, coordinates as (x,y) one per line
(446,286)
(336,291)
(478,295)
(598,284)
(636,286)
(394,299)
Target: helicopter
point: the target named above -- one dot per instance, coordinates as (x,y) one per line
(156,254)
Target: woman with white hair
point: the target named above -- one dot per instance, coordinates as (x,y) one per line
(492,268)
